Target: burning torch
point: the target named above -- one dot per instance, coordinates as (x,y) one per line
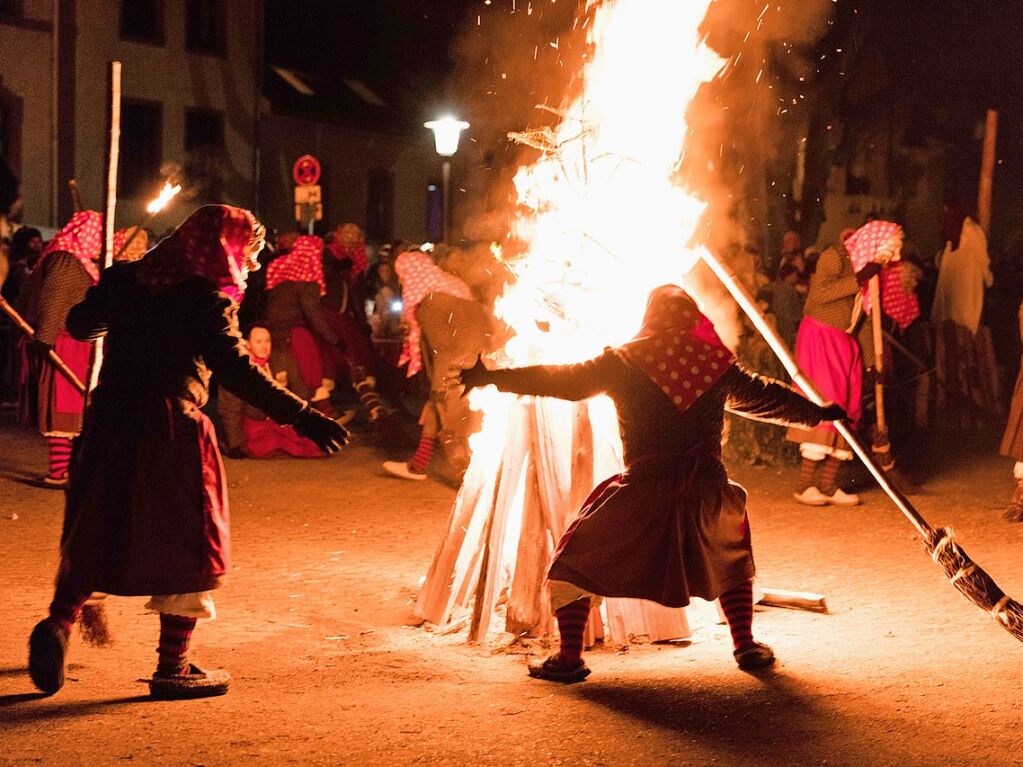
(156,205)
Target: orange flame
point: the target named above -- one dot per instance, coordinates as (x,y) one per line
(602,212)
(162,200)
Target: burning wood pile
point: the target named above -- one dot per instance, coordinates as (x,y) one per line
(604,221)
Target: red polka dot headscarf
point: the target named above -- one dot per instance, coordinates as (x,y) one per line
(420,277)
(82,237)
(303,263)
(863,245)
(217,242)
(677,347)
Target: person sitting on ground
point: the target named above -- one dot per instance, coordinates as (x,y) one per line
(672,526)
(147,507)
(440,311)
(248,433)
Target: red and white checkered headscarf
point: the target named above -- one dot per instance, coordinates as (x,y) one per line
(420,277)
(677,347)
(303,263)
(211,243)
(899,304)
(82,237)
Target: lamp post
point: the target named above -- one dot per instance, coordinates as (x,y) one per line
(446,132)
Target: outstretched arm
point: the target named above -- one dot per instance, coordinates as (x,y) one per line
(764,399)
(570,382)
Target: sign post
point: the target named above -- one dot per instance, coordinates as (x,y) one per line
(308,199)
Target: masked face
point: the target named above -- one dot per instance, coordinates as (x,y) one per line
(259,342)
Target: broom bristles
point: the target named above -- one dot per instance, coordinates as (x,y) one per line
(94,625)
(973,582)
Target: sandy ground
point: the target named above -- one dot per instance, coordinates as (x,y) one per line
(314,626)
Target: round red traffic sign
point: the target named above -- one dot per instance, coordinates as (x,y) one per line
(306,170)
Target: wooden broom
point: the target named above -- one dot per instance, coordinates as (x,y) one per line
(965,574)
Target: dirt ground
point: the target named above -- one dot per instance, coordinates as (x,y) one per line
(314,626)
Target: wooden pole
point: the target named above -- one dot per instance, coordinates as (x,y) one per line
(882,445)
(110,203)
(987,171)
(113,156)
(29,331)
(749,306)
(76,198)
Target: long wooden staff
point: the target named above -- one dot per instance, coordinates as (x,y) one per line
(966,575)
(94,624)
(882,445)
(76,197)
(55,358)
(110,202)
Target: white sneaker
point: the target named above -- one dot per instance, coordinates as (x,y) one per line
(812,497)
(403,470)
(842,498)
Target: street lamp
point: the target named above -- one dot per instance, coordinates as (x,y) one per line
(446,132)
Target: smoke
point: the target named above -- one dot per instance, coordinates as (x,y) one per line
(747,126)
(512,57)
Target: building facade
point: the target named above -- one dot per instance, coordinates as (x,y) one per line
(389,183)
(191,75)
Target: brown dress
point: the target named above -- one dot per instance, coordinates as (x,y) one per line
(147,505)
(672,526)
(63,284)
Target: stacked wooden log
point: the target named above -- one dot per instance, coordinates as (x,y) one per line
(512,509)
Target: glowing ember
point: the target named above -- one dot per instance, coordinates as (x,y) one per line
(161,201)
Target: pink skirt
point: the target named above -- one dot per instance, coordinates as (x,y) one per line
(832,360)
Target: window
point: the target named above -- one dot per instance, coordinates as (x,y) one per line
(141,147)
(205,27)
(434,212)
(380,206)
(142,21)
(204,129)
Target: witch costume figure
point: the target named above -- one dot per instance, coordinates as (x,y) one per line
(64,273)
(147,510)
(672,526)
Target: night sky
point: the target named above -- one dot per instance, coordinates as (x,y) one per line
(948,60)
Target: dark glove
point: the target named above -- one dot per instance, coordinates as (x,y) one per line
(329,436)
(868,271)
(832,412)
(477,375)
